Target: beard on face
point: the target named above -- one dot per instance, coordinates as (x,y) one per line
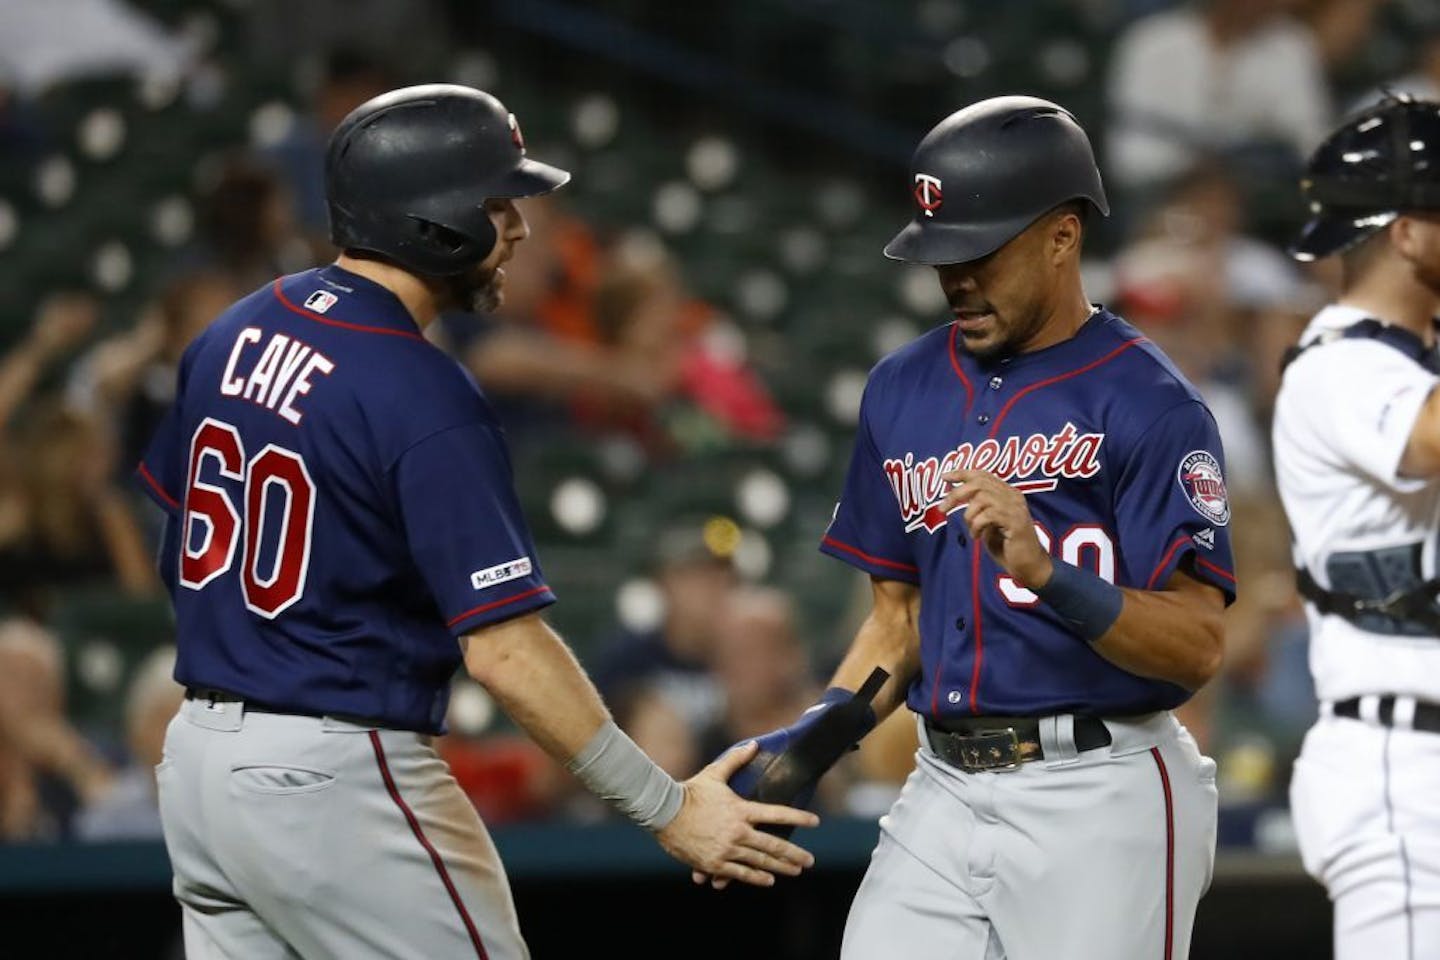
(479,290)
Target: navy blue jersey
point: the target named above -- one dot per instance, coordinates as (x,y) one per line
(1123,471)
(341,506)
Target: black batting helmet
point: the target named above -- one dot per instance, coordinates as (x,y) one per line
(1375,167)
(987,172)
(407,175)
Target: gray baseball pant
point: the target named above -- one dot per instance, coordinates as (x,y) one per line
(1100,855)
(305,837)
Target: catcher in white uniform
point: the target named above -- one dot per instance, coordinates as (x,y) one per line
(1357,455)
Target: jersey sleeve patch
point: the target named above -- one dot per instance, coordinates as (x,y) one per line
(465,530)
(1171,503)
(1200,476)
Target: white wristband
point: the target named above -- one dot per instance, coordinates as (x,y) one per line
(619,772)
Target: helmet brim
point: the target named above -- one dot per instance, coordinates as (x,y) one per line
(1332,233)
(933,244)
(530,178)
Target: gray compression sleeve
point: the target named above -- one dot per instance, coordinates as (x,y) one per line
(619,772)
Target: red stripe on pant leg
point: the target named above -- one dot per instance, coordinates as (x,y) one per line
(425,842)
(1169,853)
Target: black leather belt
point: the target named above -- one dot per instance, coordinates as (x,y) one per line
(1003,743)
(1427,715)
(251,705)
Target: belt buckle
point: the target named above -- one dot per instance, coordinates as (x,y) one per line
(996,750)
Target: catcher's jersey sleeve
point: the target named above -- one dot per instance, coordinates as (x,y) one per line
(867,531)
(1171,502)
(1366,428)
(464,528)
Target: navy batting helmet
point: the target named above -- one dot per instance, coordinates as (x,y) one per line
(987,172)
(407,175)
(1378,165)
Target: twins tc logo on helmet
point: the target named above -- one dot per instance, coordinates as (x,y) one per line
(928,193)
(516,137)
(1200,477)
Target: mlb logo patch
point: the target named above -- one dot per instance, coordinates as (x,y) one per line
(501,572)
(320,301)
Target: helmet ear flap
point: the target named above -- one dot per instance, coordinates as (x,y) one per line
(449,244)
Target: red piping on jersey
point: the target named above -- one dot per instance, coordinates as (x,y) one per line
(1218,571)
(155,485)
(999,418)
(955,362)
(878,561)
(1165,560)
(429,848)
(319,318)
(1169,854)
(497,603)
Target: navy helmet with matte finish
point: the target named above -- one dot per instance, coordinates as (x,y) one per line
(987,172)
(407,175)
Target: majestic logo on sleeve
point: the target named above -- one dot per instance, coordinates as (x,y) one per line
(1204,486)
(927,193)
(1033,464)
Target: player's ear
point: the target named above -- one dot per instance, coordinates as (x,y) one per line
(1065,233)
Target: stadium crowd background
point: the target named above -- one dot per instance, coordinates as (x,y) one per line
(686,332)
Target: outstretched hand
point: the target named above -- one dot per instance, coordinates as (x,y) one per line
(717,832)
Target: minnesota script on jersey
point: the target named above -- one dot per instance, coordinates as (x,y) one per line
(1124,473)
(341,506)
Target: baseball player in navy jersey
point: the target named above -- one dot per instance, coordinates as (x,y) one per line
(341,513)
(1359,474)
(1039,499)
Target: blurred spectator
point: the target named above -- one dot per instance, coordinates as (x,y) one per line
(645,315)
(348,80)
(674,657)
(131,377)
(1218,302)
(61,324)
(62,523)
(540,351)
(43,43)
(1423,81)
(247,226)
(1215,77)
(763,668)
(130,810)
(651,720)
(1340,28)
(47,770)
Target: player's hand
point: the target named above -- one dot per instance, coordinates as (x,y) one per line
(717,833)
(998,517)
